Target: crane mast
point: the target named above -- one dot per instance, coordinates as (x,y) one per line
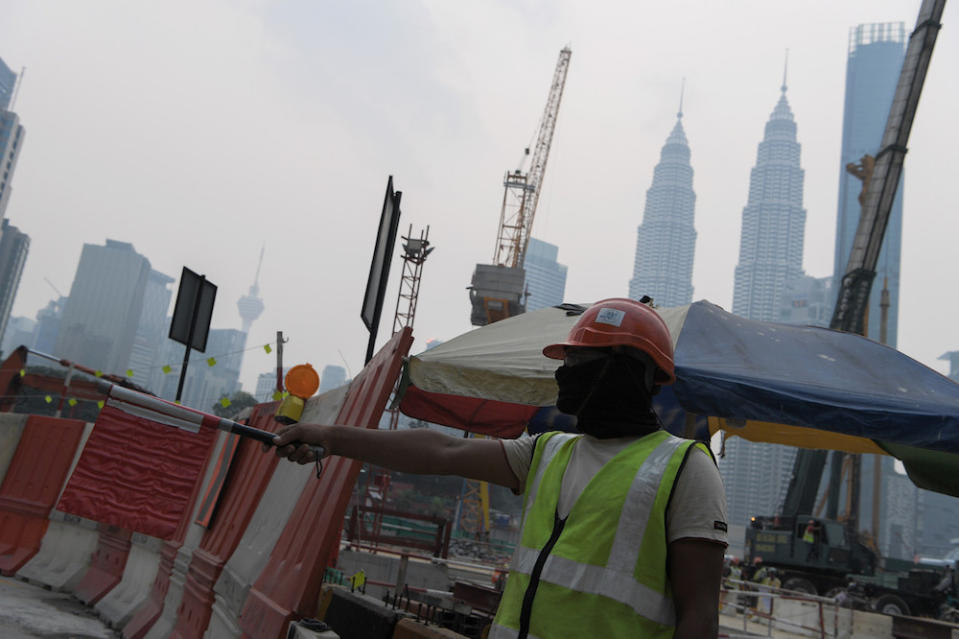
(497,289)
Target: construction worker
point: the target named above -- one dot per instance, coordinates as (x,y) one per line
(811,537)
(624,526)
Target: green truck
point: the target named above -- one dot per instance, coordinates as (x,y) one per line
(822,560)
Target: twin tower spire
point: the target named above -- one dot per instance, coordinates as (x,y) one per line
(773,222)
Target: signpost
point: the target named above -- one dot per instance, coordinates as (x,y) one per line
(380,265)
(191,317)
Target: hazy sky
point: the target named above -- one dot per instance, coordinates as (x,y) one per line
(200,130)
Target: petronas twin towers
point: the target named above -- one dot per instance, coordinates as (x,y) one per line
(773,224)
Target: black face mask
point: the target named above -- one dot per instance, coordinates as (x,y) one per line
(608,396)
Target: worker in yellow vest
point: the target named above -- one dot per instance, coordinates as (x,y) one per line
(624,525)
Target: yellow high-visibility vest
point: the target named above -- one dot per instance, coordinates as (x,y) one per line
(601,572)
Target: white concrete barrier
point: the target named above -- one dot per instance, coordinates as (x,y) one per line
(118,605)
(64,554)
(278,501)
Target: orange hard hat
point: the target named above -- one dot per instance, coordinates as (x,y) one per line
(620,321)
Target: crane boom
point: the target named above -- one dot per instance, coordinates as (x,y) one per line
(497,290)
(880,191)
(515,223)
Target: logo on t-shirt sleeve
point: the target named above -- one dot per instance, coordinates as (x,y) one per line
(720,525)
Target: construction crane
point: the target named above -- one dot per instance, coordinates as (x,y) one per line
(497,289)
(880,177)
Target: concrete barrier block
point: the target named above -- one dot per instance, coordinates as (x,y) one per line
(118,605)
(65,552)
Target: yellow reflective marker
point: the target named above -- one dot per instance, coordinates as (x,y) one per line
(129,372)
(48,399)
(166,369)
(72,402)
(268,348)
(100,404)
(98,373)
(22,372)
(225,401)
(277,396)
(211,361)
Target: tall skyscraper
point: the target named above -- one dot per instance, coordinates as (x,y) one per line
(332,377)
(14,246)
(774,221)
(12,134)
(666,239)
(152,331)
(103,311)
(545,277)
(250,305)
(770,264)
(876,52)
(8,80)
(48,325)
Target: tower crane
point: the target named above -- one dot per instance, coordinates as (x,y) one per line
(497,289)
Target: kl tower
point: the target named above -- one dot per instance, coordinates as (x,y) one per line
(250,305)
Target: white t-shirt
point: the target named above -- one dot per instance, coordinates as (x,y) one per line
(697,508)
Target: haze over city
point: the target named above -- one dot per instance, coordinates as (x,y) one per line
(200,131)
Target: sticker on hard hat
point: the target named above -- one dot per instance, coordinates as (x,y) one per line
(611,316)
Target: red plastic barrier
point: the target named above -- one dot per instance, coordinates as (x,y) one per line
(147,614)
(106,564)
(31,485)
(289,585)
(137,474)
(251,474)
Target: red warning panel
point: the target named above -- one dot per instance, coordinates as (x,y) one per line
(137,474)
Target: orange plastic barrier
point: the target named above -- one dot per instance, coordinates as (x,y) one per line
(151,609)
(31,485)
(106,564)
(289,585)
(252,470)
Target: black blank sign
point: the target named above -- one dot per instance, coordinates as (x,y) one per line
(183,311)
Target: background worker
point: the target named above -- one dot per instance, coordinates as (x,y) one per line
(624,526)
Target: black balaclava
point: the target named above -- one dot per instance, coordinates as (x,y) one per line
(609,396)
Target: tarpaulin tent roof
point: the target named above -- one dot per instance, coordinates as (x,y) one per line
(798,385)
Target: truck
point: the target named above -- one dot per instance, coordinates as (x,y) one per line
(828,563)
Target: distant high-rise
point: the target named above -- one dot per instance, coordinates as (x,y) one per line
(48,325)
(20,332)
(666,239)
(205,384)
(103,311)
(808,301)
(152,331)
(876,52)
(332,377)
(266,386)
(14,246)
(8,80)
(774,221)
(545,277)
(12,134)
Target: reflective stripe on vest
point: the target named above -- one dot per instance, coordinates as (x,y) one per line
(616,580)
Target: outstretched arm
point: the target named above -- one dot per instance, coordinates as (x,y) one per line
(420,450)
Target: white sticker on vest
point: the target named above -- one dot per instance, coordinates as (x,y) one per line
(611,316)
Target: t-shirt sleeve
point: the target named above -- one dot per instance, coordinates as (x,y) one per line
(519,456)
(697,508)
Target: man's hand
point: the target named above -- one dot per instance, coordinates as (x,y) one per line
(299,442)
